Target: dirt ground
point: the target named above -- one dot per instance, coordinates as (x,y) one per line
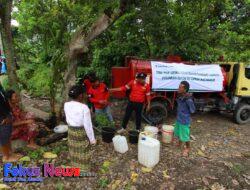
(219,159)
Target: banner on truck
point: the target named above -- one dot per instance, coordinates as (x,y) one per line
(202,78)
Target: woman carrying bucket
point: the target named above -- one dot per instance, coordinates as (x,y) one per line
(79,119)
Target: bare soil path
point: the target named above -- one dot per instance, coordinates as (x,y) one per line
(220,159)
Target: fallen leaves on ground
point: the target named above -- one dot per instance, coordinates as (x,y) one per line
(203,148)
(231,132)
(228,164)
(133,177)
(193,137)
(115,184)
(4,186)
(25,159)
(146,170)
(235,182)
(167,186)
(165,174)
(201,153)
(106,164)
(212,177)
(205,181)
(217,186)
(49,155)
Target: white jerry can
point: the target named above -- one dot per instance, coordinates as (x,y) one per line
(120,144)
(148,151)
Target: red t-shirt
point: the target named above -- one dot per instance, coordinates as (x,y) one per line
(87,84)
(138,91)
(98,94)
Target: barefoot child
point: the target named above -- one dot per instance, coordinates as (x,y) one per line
(184,110)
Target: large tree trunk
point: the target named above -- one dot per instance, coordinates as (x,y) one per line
(80,42)
(5,15)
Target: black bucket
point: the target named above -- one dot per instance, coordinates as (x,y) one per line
(133,136)
(107,134)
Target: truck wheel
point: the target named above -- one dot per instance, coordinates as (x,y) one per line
(242,114)
(157,113)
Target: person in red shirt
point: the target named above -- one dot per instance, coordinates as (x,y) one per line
(99,96)
(140,92)
(86,82)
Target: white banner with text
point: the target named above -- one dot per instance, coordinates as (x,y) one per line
(202,78)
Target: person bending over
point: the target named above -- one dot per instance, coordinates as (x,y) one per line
(99,95)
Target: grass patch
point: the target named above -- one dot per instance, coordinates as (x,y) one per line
(238,168)
(103,182)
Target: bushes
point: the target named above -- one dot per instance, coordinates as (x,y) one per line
(4,81)
(36,78)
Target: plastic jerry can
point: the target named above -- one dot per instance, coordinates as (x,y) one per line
(148,151)
(120,144)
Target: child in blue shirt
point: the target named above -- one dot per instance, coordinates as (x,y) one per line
(3,68)
(184,109)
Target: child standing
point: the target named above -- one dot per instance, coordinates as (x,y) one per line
(184,110)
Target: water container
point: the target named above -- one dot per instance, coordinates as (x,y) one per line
(120,144)
(61,129)
(107,134)
(151,131)
(133,136)
(167,133)
(148,151)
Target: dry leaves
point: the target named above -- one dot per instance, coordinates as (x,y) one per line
(133,177)
(49,155)
(203,148)
(25,159)
(115,184)
(165,174)
(200,153)
(217,186)
(146,170)
(235,182)
(205,181)
(4,186)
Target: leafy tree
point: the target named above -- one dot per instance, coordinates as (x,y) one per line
(57,39)
(5,19)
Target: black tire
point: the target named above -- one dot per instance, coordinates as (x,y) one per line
(242,114)
(157,113)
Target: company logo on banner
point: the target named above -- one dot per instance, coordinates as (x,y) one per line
(202,78)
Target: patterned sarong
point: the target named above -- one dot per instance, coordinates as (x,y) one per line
(78,148)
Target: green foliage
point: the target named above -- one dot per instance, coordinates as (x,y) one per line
(103,182)
(36,154)
(60,148)
(101,120)
(4,81)
(37,79)
(59,186)
(238,168)
(195,30)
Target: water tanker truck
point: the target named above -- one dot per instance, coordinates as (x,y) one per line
(225,86)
